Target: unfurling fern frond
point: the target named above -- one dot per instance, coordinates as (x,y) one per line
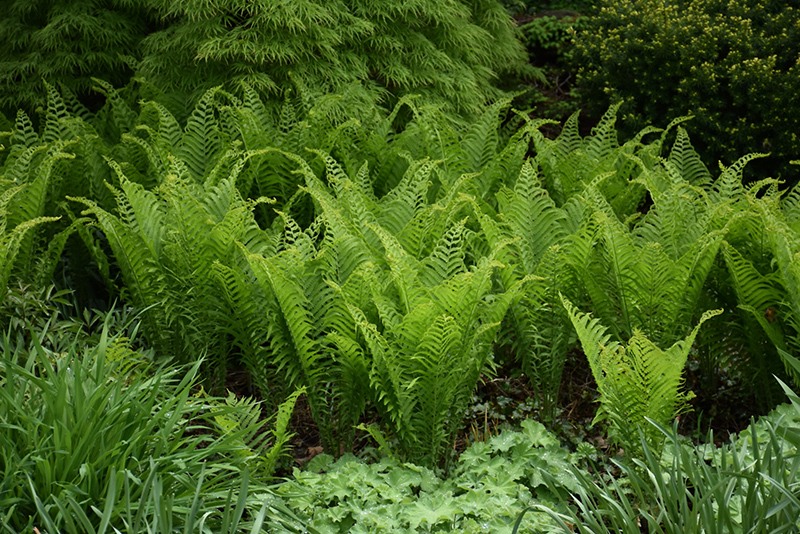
(637,380)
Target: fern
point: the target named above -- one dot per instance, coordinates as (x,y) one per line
(538,234)
(35,254)
(167,242)
(430,346)
(136,254)
(761,303)
(311,339)
(650,277)
(11,241)
(571,163)
(423,303)
(777,291)
(686,162)
(201,143)
(637,381)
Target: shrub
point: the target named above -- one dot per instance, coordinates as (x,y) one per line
(452,51)
(733,65)
(66,43)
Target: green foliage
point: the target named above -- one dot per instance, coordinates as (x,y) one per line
(66,43)
(450,52)
(453,52)
(772,296)
(748,485)
(571,162)
(10,244)
(98,437)
(649,272)
(649,278)
(166,242)
(489,485)
(730,64)
(38,171)
(429,349)
(538,231)
(636,381)
(552,31)
(404,247)
(27,310)
(310,334)
(387,299)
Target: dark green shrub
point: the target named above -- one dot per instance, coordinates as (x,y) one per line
(520,7)
(452,51)
(733,65)
(66,42)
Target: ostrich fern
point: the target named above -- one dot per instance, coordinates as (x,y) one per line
(538,233)
(166,243)
(773,298)
(420,305)
(11,241)
(429,346)
(637,380)
(650,277)
(34,174)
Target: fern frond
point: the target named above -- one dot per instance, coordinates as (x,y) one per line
(593,337)
(447,259)
(280,434)
(686,161)
(529,213)
(402,203)
(57,118)
(729,184)
(201,141)
(603,140)
(156,118)
(636,381)
(479,143)
(11,241)
(24,134)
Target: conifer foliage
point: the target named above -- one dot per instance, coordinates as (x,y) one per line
(66,43)
(453,53)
